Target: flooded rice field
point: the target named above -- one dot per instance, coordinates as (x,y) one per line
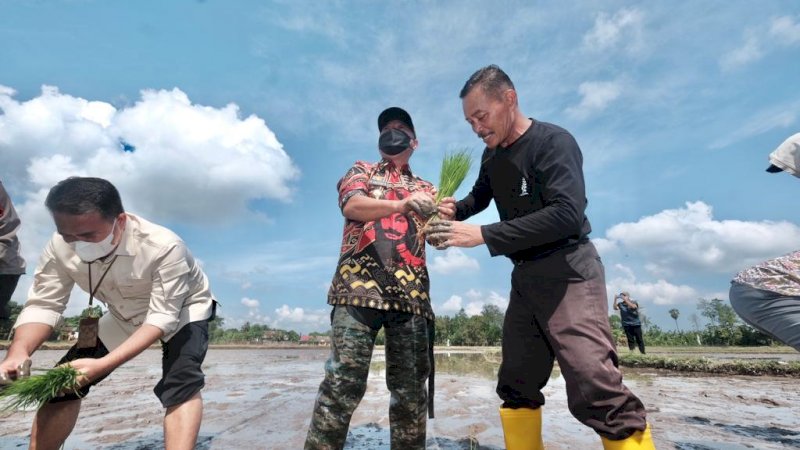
(262,399)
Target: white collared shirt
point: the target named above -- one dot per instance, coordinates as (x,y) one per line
(154,280)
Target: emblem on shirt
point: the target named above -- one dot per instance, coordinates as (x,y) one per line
(523,188)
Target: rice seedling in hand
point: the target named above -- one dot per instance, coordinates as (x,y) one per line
(455,166)
(36,390)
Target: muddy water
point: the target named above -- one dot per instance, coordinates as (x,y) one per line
(262,399)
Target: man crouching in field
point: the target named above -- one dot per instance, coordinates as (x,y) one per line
(153,289)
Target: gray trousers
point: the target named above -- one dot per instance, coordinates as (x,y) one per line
(558,310)
(346,371)
(772,313)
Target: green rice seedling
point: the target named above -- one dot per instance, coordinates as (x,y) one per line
(36,390)
(455,166)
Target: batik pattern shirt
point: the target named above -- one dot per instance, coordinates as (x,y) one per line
(382,262)
(781,275)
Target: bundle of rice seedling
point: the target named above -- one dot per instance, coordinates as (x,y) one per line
(455,166)
(36,390)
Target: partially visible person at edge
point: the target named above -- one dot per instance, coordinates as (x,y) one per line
(153,288)
(558,306)
(767,296)
(12,265)
(629,314)
(381,281)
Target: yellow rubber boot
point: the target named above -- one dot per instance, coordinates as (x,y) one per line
(640,440)
(522,428)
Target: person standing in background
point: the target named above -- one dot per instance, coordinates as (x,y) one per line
(629,314)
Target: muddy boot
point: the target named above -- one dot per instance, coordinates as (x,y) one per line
(522,428)
(640,440)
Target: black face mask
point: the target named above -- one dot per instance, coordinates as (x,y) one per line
(393,141)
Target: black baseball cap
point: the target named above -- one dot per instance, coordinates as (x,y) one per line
(395,113)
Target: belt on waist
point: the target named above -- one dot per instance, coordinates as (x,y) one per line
(548,252)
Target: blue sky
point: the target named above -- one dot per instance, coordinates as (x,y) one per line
(244,115)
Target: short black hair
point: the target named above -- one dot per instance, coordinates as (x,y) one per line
(491,78)
(82,195)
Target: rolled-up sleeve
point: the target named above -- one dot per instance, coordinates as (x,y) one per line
(49,294)
(171,288)
(354,182)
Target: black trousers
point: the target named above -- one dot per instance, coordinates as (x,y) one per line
(8,283)
(634,333)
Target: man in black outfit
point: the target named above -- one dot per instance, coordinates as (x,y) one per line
(557,310)
(629,315)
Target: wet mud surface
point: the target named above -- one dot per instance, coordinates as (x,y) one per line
(262,399)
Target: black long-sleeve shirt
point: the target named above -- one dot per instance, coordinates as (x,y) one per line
(537,185)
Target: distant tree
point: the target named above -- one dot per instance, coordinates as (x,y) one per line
(492,321)
(92,311)
(616,329)
(674,313)
(215,330)
(5,325)
(695,321)
(723,328)
(645,320)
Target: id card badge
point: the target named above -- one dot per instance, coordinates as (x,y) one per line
(87,332)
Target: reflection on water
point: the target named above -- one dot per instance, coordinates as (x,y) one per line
(475,364)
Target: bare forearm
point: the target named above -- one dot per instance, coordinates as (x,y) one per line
(365,209)
(140,340)
(28,337)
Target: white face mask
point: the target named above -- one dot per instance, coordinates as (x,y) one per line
(92,251)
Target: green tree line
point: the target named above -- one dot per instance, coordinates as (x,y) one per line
(723,328)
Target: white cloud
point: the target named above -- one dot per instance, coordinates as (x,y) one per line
(172,160)
(757,42)
(783,115)
(659,292)
(748,52)
(624,27)
(786,30)
(689,238)
(604,246)
(477,300)
(596,96)
(454,260)
(287,317)
(452,305)
(251,303)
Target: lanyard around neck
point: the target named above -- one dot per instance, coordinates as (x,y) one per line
(93,290)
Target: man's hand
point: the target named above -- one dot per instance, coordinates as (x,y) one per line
(421,203)
(90,369)
(14,368)
(455,234)
(447,208)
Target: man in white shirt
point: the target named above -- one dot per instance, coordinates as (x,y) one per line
(153,289)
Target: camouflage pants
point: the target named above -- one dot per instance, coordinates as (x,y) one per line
(407,368)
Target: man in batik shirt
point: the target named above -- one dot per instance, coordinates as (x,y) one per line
(381,281)
(767,296)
